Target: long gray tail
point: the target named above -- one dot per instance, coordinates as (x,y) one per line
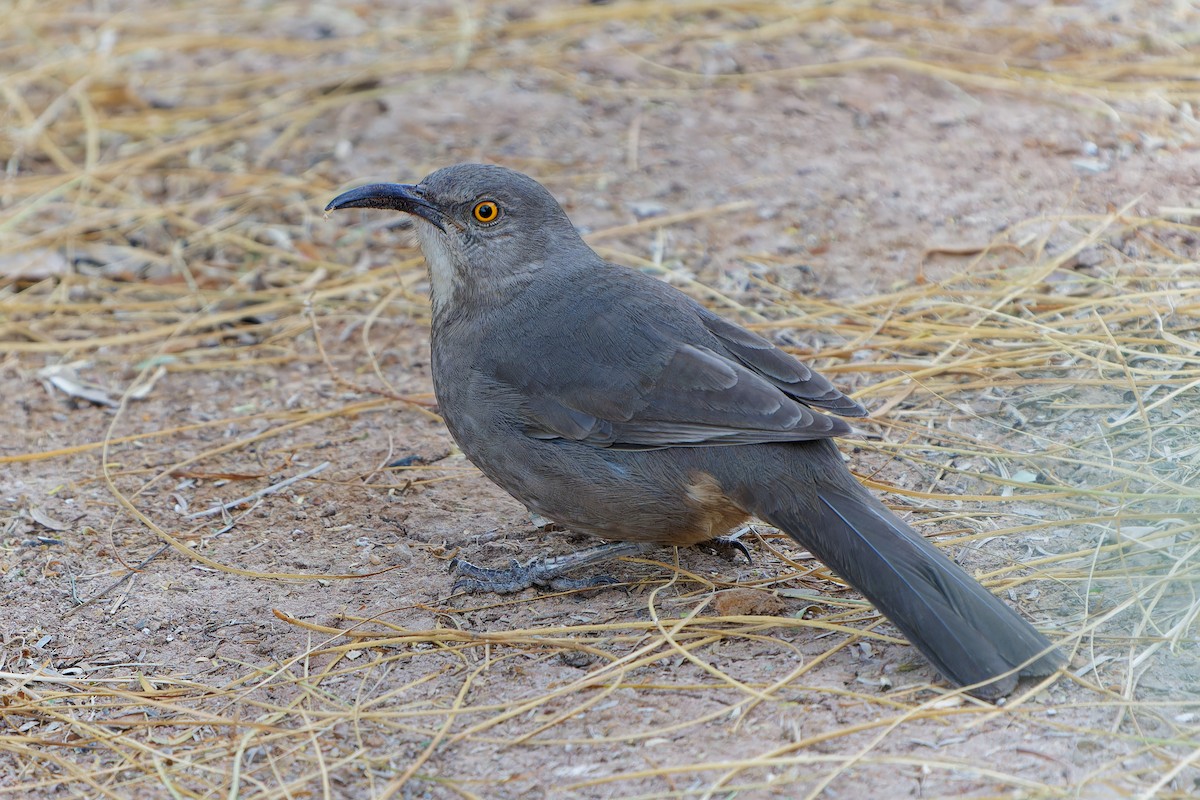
(969,634)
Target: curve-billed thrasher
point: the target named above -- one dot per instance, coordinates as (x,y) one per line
(612,403)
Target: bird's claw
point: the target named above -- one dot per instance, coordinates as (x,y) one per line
(728,548)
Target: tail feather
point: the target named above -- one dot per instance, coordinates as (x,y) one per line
(969,634)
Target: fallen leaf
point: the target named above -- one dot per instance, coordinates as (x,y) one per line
(65,378)
(34,265)
(46,521)
(743,602)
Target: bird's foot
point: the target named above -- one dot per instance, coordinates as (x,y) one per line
(542,572)
(536,572)
(728,547)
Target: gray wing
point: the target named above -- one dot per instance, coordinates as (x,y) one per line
(700,398)
(651,368)
(787,373)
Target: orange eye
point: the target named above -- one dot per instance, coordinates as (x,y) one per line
(486,212)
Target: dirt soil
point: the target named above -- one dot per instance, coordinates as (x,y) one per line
(858,180)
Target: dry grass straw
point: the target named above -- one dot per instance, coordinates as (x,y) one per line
(1056,407)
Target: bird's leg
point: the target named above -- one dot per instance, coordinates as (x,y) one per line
(729,547)
(545,572)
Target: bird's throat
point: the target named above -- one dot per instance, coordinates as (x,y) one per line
(442,264)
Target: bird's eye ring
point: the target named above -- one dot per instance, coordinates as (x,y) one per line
(486,212)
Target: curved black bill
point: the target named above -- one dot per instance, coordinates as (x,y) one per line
(396,196)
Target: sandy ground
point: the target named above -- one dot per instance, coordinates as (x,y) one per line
(700,144)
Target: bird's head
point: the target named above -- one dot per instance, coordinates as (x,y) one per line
(482,228)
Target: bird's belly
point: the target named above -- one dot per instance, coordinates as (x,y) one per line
(647,496)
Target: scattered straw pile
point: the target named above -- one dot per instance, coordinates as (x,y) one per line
(165,166)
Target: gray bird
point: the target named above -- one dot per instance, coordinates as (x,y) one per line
(612,403)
